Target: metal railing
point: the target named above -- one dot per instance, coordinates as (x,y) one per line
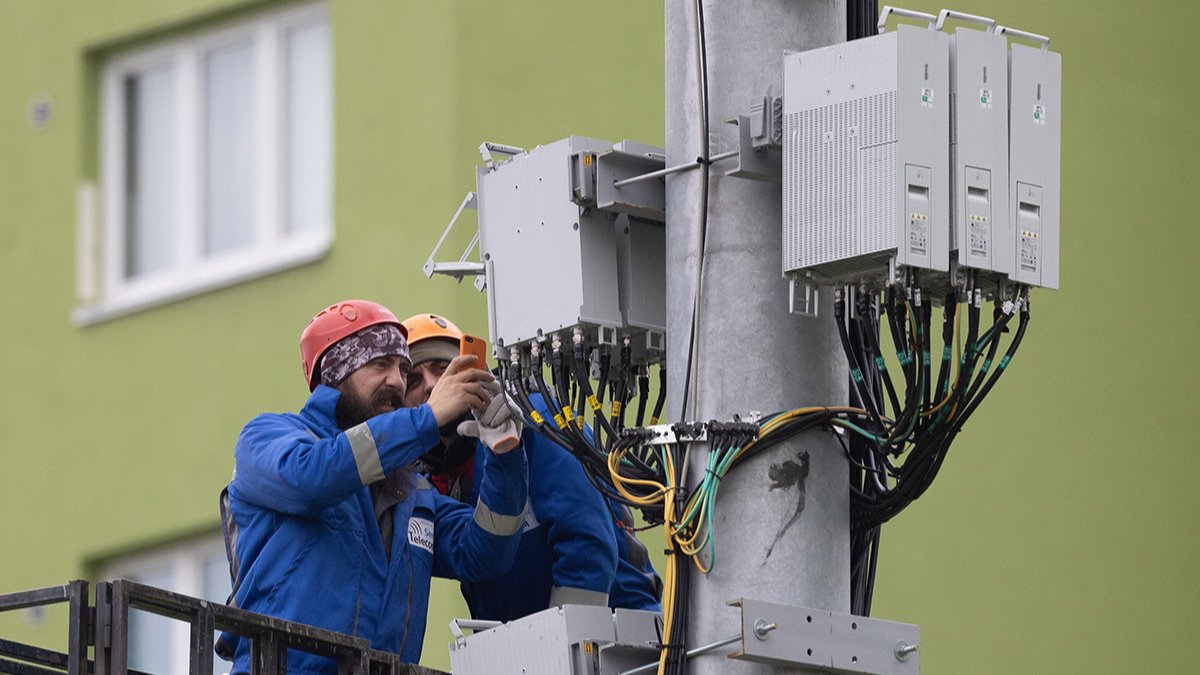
(38,661)
(104,628)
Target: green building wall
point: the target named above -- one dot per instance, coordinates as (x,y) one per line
(1061,536)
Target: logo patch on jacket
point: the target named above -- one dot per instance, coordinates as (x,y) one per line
(529,517)
(420,533)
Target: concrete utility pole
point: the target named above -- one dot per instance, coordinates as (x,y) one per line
(751,353)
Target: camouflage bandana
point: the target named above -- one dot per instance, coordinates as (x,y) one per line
(354,351)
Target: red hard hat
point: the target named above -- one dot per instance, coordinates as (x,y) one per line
(334,323)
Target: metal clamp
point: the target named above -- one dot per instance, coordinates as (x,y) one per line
(803,298)
(669,434)
(759,139)
(825,641)
(1033,37)
(989,24)
(898,11)
(462,268)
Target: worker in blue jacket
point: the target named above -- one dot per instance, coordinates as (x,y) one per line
(636,584)
(573,550)
(325,521)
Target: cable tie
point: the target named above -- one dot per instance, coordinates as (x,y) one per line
(703,161)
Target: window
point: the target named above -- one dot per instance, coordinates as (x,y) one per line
(199,569)
(216,161)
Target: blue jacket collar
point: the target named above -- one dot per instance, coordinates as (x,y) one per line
(320,408)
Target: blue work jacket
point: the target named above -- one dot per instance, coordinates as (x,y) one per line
(564,553)
(305,544)
(567,555)
(635,585)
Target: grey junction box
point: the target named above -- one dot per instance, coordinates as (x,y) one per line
(551,264)
(1035,118)
(563,248)
(980,234)
(866,157)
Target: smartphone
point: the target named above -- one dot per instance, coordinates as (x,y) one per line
(469,344)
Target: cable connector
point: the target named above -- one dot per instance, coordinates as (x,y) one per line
(737,432)
(689,431)
(637,436)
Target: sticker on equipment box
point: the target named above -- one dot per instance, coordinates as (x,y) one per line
(1039,114)
(985,98)
(420,533)
(926,97)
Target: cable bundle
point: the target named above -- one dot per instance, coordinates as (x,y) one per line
(895,433)
(895,458)
(560,410)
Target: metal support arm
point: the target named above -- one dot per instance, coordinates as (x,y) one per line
(462,267)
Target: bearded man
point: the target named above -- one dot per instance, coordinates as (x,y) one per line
(326,524)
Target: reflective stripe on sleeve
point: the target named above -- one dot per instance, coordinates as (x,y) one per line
(566,595)
(366,455)
(495,523)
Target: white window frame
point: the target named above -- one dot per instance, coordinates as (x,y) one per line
(191,272)
(185,561)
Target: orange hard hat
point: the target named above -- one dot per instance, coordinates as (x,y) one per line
(334,323)
(421,327)
(422,331)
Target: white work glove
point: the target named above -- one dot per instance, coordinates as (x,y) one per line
(495,426)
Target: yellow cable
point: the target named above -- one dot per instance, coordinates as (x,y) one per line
(688,545)
(669,590)
(784,418)
(619,481)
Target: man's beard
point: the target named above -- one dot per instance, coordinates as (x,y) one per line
(352,410)
(452,450)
